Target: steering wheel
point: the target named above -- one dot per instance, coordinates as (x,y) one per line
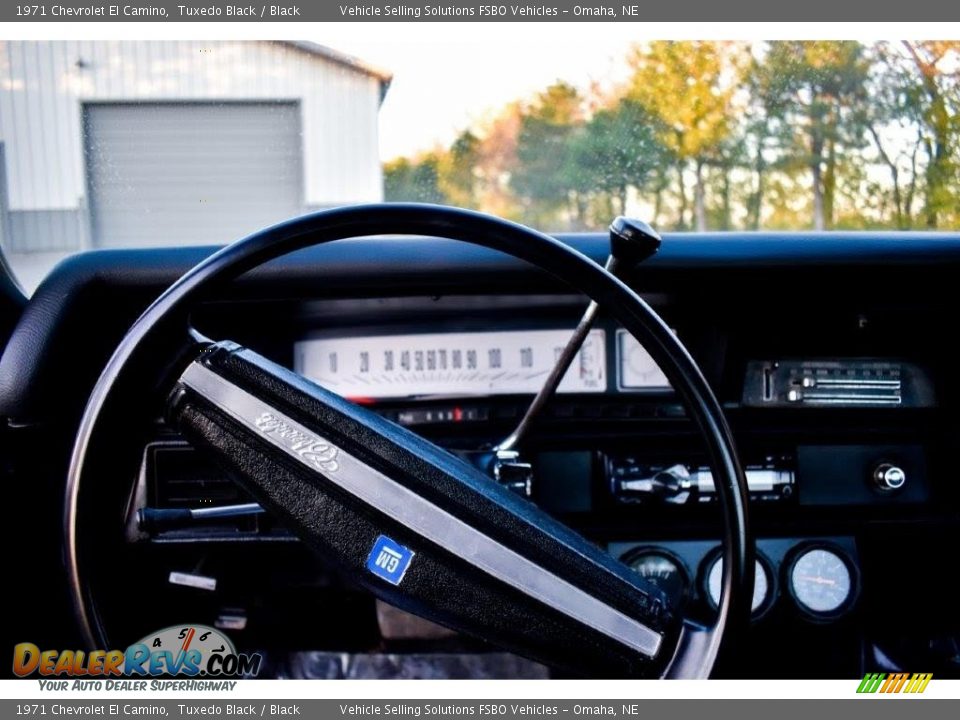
(416,526)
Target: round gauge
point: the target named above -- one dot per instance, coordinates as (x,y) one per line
(638,370)
(660,569)
(821,581)
(761,584)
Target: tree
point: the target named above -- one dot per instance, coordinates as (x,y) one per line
(938,93)
(761,136)
(689,86)
(497,160)
(618,149)
(542,175)
(815,90)
(416,180)
(894,121)
(722,135)
(731,156)
(456,170)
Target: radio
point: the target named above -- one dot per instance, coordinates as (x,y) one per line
(679,483)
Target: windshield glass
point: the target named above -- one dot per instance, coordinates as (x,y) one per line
(160,143)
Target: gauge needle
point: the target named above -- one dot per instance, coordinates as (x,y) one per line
(185,646)
(817,579)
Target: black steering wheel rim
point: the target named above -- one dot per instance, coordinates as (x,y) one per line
(693,656)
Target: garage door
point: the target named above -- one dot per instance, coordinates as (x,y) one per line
(190,173)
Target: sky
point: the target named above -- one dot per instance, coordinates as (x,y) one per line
(447,82)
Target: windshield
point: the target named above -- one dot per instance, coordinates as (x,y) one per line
(157,143)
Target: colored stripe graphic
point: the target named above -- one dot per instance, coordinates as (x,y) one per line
(919,682)
(894,683)
(871,682)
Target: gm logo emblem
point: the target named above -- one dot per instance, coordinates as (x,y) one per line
(389,560)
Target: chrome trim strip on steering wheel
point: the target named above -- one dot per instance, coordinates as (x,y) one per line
(415,512)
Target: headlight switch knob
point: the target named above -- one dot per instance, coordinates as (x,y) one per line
(888,477)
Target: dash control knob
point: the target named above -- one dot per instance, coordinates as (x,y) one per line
(888,477)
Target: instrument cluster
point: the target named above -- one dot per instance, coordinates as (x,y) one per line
(817,579)
(473,364)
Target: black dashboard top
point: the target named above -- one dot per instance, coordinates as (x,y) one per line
(83,307)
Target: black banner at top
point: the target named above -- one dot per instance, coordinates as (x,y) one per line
(711,11)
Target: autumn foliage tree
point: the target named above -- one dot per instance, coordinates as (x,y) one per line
(689,87)
(720,135)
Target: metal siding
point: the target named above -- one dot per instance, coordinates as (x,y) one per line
(191,173)
(44,85)
(4,211)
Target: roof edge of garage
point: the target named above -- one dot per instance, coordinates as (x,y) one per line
(341,58)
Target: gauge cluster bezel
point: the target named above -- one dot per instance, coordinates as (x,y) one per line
(462,325)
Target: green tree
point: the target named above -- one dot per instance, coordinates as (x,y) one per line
(618,149)
(417,180)
(761,135)
(814,90)
(542,177)
(457,171)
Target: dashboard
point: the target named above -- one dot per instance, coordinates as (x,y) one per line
(826,351)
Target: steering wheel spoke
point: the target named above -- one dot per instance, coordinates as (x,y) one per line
(415,525)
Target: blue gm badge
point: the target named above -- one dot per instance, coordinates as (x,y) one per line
(389,560)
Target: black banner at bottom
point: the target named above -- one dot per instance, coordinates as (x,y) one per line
(875,708)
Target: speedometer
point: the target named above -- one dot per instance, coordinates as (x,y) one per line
(457,364)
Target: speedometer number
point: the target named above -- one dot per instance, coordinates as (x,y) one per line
(450,364)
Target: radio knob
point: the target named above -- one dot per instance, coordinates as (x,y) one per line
(888,477)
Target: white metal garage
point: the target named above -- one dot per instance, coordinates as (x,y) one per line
(233,135)
(190,173)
